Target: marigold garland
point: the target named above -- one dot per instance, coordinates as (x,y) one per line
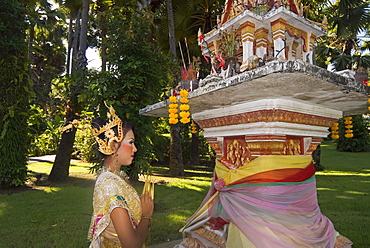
(193,127)
(334,130)
(184,107)
(184,100)
(184,93)
(184,114)
(173,110)
(348,122)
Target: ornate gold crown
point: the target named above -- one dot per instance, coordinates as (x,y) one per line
(104,145)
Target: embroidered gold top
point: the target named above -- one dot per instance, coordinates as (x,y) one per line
(111,191)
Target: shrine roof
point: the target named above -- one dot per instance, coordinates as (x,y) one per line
(263,20)
(279,79)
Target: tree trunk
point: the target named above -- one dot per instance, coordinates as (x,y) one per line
(31,36)
(194,150)
(171,29)
(84,23)
(103,33)
(60,170)
(75,42)
(70,45)
(348,46)
(176,162)
(103,49)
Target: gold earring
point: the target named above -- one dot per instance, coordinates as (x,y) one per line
(116,158)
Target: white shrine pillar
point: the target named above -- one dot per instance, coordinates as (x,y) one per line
(278,34)
(247,34)
(261,42)
(311,49)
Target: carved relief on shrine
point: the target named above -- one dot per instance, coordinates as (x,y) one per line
(297,33)
(268,115)
(293,146)
(265,145)
(237,151)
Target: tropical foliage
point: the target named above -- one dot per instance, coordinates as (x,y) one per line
(136,76)
(342,48)
(15,95)
(361,135)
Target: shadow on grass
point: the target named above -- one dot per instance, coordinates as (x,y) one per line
(344,200)
(195,171)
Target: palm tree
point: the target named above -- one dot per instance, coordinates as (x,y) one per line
(60,170)
(45,47)
(346,20)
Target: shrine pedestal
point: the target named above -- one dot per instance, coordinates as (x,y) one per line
(242,132)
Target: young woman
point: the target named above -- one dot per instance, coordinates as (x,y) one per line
(121,218)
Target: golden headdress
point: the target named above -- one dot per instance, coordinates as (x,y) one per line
(104,145)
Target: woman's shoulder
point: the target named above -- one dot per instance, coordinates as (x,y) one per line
(107,176)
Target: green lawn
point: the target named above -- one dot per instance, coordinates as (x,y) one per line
(59,215)
(343,192)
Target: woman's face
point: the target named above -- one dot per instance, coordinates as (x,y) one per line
(127,149)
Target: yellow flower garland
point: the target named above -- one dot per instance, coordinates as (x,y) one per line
(193,127)
(173,110)
(334,132)
(348,122)
(184,107)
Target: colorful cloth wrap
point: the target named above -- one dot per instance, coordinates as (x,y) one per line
(269,202)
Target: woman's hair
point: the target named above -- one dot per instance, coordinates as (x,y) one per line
(99,122)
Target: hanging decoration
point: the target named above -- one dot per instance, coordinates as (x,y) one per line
(193,127)
(173,110)
(184,107)
(334,130)
(349,131)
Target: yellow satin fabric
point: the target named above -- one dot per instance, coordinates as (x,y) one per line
(261,164)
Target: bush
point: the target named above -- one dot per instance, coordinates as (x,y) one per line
(84,146)
(44,132)
(361,136)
